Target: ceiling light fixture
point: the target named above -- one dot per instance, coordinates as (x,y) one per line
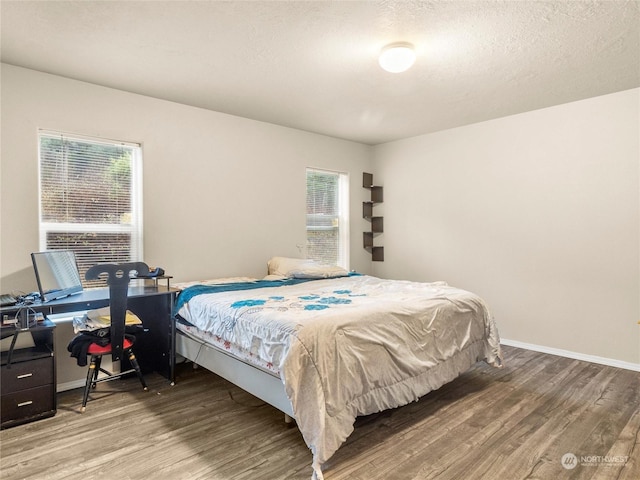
(397,57)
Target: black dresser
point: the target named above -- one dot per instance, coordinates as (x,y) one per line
(28,375)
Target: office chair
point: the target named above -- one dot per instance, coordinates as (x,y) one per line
(118,345)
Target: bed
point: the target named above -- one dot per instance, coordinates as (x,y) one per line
(324,345)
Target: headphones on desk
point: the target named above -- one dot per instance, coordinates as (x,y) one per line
(28,299)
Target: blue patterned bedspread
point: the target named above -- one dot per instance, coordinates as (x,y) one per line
(188,293)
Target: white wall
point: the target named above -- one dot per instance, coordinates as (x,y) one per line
(222,194)
(539,213)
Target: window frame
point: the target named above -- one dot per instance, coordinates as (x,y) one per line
(343,225)
(134,228)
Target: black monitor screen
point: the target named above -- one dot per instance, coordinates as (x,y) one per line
(57,274)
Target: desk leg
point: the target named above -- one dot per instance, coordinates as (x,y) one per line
(155,350)
(172,352)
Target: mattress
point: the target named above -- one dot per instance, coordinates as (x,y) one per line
(215,341)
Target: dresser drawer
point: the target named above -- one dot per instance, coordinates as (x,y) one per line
(24,375)
(33,402)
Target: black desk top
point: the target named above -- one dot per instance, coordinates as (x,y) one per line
(88,299)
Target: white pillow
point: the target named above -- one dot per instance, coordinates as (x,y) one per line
(319,271)
(284,265)
(301,268)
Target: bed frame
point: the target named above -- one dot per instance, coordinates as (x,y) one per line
(264,385)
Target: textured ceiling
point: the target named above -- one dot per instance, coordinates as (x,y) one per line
(312,65)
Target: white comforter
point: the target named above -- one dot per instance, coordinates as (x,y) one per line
(354,345)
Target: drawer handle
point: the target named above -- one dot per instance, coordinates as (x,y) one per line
(24,404)
(25,375)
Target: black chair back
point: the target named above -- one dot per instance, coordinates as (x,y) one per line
(118,276)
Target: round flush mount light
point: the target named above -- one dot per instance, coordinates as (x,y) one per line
(397,57)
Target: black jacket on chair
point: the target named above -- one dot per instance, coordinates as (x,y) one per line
(79,345)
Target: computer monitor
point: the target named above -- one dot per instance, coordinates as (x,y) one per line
(57,274)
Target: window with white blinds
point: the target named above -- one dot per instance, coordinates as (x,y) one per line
(328,217)
(90,198)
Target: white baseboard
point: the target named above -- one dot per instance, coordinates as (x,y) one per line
(611,362)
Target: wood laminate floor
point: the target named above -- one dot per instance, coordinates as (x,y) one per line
(509,424)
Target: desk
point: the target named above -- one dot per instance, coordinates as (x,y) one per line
(153,304)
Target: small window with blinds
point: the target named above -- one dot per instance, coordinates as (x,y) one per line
(327,217)
(90,199)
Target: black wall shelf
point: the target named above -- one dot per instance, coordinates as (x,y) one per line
(377,223)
